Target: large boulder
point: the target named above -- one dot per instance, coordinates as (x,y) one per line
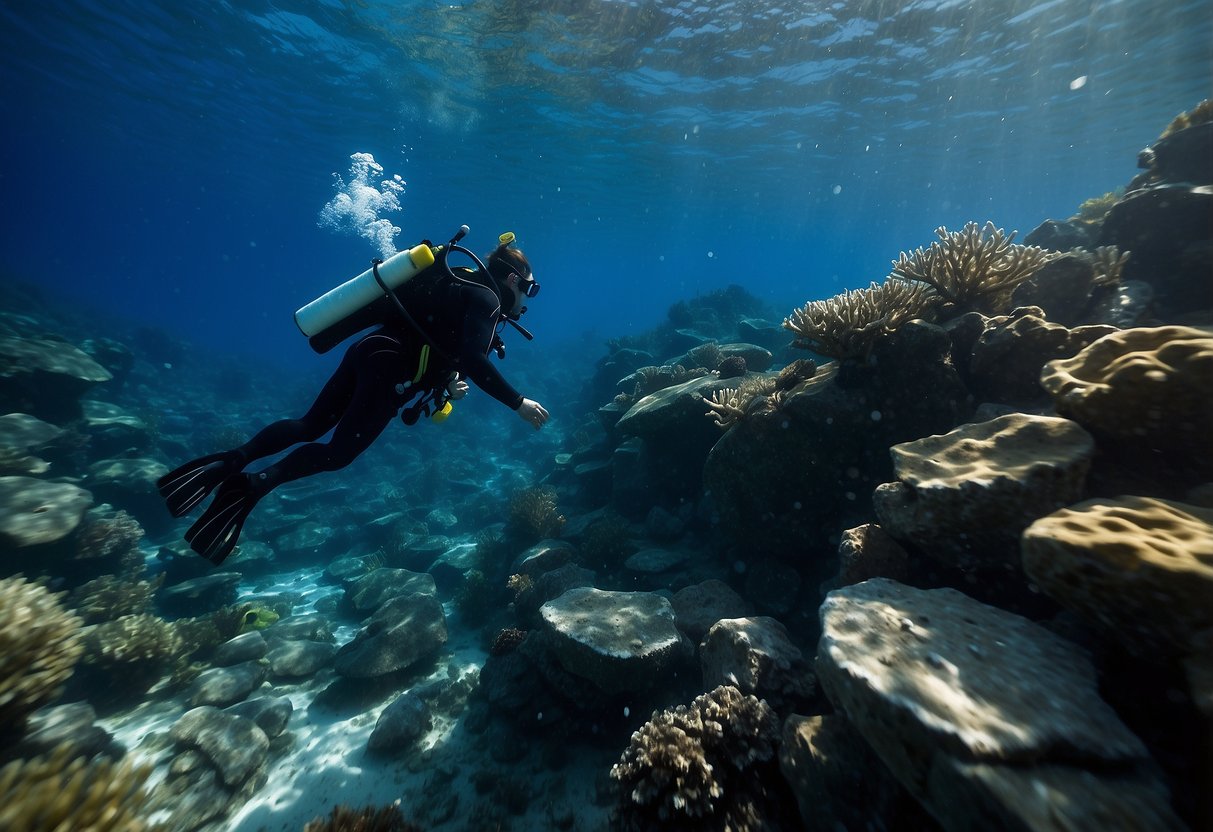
(297,659)
(698,606)
(34,512)
(402,632)
(964,497)
(46,378)
(620,641)
(400,725)
(988,719)
(113,431)
(21,435)
(234,745)
(223,686)
(374,589)
(756,656)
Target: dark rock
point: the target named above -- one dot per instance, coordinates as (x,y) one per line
(653,561)
(246,647)
(223,686)
(544,556)
(400,725)
(73,724)
(699,606)
(371,591)
(772,585)
(236,746)
(868,551)
(1185,156)
(756,656)
(1124,307)
(1061,287)
(401,633)
(295,659)
(199,596)
(46,378)
(1060,235)
(270,713)
(301,628)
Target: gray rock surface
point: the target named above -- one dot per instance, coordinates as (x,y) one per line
(295,659)
(544,556)
(73,724)
(699,606)
(372,590)
(400,725)
(403,631)
(656,560)
(236,746)
(301,628)
(620,641)
(223,686)
(246,647)
(270,713)
(755,656)
(34,512)
(970,706)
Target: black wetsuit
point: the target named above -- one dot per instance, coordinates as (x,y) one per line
(376,378)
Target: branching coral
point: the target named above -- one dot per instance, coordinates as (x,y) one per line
(369,819)
(105,536)
(533,513)
(55,793)
(1109,265)
(132,640)
(39,647)
(110,597)
(727,407)
(847,325)
(690,767)
(974,269)
(1093,211)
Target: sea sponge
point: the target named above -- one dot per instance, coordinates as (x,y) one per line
(847,325)
(56,793)
(974,270)
(691,767)
(39,646)
(1142,387)
(1138,568)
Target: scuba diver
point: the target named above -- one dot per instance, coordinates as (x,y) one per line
(436,329)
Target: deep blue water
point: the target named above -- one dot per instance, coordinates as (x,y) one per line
(168,161)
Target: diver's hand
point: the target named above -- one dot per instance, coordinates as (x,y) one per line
(457,389)
(532,413)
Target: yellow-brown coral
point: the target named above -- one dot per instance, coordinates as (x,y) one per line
(847,325)
(369,819)
(39,647)
(533,512)
(728,406)
(974,269)
(110,597)
(1199,114)
(56,793)
(133,640)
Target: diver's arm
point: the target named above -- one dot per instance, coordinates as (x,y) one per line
(479,327)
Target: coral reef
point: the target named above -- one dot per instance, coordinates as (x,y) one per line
(1200,114)
(39,647)
(728,406)
(56,793)
(1093,210)
(846,325)
(974,269)
(605,542)
(109,597)
(707,356)
(693,767)
(732,367)
(369,819)
(132,652)
(507,640)
(533,513)
(109,539)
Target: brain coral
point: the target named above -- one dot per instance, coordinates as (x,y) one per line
(1142,569)
(1148,385)
(693,767)
(39,646)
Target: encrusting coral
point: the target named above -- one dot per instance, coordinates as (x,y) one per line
(847,325)
(974,270)
(39,646)
(691,767)
(56,793)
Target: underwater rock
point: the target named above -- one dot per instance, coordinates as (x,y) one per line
(839,781)
(301,628)
(20,436)
(547,586)
(441,519)
(1012,350)
(46,378)
(74,725)
(198,596)
(131,483)
(34,512)
(965,496)
(544,556)
(223,686)
(1061,288)
(986,718)
(772,585)
(246,647)
(757,359)
(699,606)
(112,431)
(402,632)
(1144,393)
(377,587)
(271,713)
(865,552)
(236,746)
(671,410)
(620,641)
(1125,306)
(652,561)
(756,656)
(664,526)
(252,557)
(1138,569)
(305,540)
(1184,156)
(1061,235)
(400,725)
(1167,230)
(296,659)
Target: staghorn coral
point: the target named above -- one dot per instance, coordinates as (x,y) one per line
(1109,264)
(692,767)
(109,597)
(367,819)
(974,269)
(847,325)
(728,406)
(39,647)
(533,513)
(56,793)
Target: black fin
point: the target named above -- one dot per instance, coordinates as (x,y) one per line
(216,532)
(187,486)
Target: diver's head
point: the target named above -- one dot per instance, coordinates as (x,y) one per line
(512,273)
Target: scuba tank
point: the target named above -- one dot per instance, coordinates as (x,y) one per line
(322,319)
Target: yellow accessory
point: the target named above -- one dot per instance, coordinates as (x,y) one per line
(257,618)
(422,363)
(506,238)
(441,413)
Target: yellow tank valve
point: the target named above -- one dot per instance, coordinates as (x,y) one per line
(441,413)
